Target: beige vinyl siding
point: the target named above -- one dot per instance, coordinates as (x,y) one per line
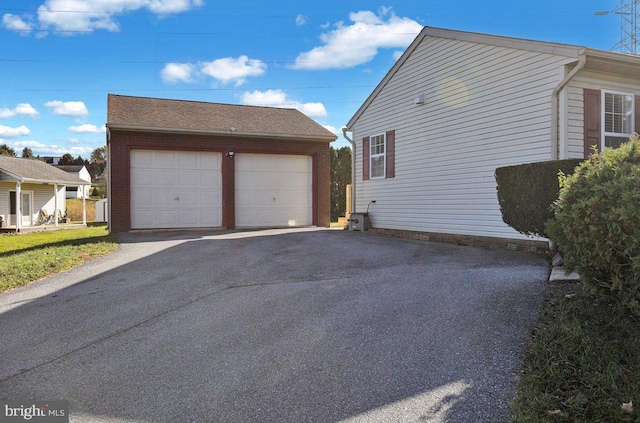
(485,107)
(573,138)
(42,199)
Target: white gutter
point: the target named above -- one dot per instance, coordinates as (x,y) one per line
(555,98)
(353,167)
(233,132)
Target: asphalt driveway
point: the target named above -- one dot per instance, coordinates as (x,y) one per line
(303,325)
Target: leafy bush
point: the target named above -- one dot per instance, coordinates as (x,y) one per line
(597,223)
(526,193)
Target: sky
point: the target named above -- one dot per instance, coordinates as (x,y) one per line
(60,58)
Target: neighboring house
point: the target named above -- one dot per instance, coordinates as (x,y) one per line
(457,105)
(189,164)
(51,160)
(28,186)
(79,171)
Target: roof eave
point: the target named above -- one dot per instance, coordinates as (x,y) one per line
(53,181)
(12,175)
(613,63)
(296,137)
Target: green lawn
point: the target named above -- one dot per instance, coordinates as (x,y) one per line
(584,362)
(29,257)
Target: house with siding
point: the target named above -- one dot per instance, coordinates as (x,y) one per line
(29,187)
(81,172)
(457,105)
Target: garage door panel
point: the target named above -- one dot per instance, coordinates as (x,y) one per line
(189,178)
(166,159)
(210,179)
(188,199)
(210,218)
(169,189)
(166,199)
(189,218)
(273,190)
(188,160)
(210,199)
(143,198)
(143,177)
(141,160)
(210,162)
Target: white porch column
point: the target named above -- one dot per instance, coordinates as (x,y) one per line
(84,207)
(55,201)
(18,207)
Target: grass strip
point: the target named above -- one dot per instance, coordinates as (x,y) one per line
(583,364)
(29,257)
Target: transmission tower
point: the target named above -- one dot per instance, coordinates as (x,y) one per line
(629,34)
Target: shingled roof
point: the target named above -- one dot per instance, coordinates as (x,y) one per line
(143,113)
(33,170)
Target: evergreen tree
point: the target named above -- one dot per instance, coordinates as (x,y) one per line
(5,150)
(340,178)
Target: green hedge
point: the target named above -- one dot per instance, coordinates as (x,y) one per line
(597,223)
(526,193)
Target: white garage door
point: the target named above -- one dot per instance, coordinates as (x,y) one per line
(273,190)
(175,189)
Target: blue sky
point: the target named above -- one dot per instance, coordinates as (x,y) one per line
(62,57)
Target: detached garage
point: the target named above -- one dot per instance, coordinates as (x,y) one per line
(186,164)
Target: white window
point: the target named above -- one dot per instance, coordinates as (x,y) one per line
(617,119)
(377,156)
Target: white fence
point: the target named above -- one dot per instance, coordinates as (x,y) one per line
(101,211)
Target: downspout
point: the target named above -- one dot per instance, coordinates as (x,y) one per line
(353,167)
(555,99)
(108,217)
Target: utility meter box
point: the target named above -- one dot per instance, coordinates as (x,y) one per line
(359,222)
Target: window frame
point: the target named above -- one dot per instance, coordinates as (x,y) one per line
(604,133)
(382,155)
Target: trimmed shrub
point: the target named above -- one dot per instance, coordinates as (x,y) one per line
(597,223)
(526,193)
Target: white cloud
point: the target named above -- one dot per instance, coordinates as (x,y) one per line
(16,23)
(91,15)
(228,69)
(23,109)
(87,128)
(301,20)
(347,46)
(9,132)
(278,98)
(397,54)
(332,129)
(41,149)
(177,72)
(68,108)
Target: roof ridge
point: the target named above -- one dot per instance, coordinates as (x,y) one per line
(202,102)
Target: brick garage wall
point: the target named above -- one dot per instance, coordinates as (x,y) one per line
(122,142)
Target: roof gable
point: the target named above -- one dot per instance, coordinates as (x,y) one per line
(33,170)
(622,61)
(142,113)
